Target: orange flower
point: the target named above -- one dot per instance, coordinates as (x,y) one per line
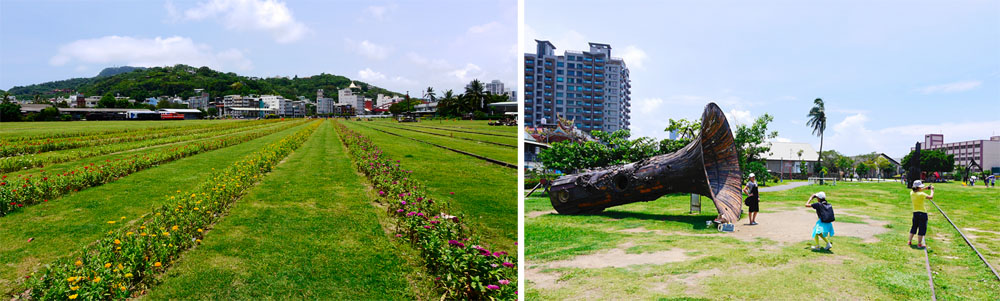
(157,264)
(78,263)
(107,265)
(118,242)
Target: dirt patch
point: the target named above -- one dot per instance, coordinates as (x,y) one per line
(618,258)
(796,225)
(542,281)
(535,214)
(787,227)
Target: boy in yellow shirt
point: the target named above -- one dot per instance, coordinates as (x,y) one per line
(918,196)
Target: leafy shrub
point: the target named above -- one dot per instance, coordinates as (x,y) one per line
(466,268)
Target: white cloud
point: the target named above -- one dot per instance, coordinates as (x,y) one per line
(648,104)
(269,16)
(379,12)
(737,117)
(468,73)
(432,64)
(951,87)
(478,29)
(370,75)
(633,56)
(148,53)
(368,49)
(852,136)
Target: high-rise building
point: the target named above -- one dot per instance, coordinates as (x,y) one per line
(494,87)
(591,88)
(347,96)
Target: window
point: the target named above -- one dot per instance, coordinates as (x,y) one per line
(559,79)
(560,71)
(560,64)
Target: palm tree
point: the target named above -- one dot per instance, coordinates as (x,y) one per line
(429,94)
(817,120)
(475,92)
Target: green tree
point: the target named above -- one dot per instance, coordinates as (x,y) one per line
(931,161)
(212,111)
(751,141)
(844,164)
(107,101)
(817,121)
(862,169)
(609,149)
(475,95)
(9,111)
(429,94)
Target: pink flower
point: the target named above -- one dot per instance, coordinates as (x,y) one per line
(456,243)
(411,213)
(498,254)
(492,287)
(399,210)
(505,282)
(508,264)
(399,235)
(381,192)
(435,222)
(404,202)
(428,227)
(452,193)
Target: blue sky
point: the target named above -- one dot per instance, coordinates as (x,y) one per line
(889,72)
(399,45)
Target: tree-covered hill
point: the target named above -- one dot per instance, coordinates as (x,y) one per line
(181,80)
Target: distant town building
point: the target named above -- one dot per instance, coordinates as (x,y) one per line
(91,102)
(592,88)
(347,96)
(784,157)
(200,101)
(986,153)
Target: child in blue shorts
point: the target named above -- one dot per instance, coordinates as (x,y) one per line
(824,226)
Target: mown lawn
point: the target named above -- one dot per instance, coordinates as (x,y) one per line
(721,266)
(20,129)
(486,193)
(466,135)
(66,225)
(307,231)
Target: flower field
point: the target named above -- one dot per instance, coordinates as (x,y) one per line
(251,210)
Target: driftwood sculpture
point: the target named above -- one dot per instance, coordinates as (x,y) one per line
(707,166)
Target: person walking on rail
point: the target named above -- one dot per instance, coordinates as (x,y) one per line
(824,226)
(753,198)
(918,197)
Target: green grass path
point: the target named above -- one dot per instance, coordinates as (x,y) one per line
(495,152)
(64,226)
(485,192)
(307,231)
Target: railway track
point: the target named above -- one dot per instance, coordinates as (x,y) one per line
(463,138)
(471,132)
(490,160)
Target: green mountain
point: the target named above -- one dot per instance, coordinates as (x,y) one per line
(110,71)
(181,80)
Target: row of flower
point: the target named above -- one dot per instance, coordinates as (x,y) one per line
(464,268)
(22,162)
(50,144)
(25,190)
(125,261)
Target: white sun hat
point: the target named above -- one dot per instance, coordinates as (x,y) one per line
(821,195)
(752,175)
(918,184)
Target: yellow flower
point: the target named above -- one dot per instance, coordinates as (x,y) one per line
(166,233)
(128,233)
(78,263)
(142,234)
(123,288)
(128,275)
(174,228)
(123,217)
(74,288)
(142,227)
(195,208)
(97,279)
(120,266)
(107,265)
(70,279)
(118,242)
(73,296)
(111,222)
(192,195)
(197,240)
(157,264)
(199,230)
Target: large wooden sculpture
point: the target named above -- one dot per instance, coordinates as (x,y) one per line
(707,166)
